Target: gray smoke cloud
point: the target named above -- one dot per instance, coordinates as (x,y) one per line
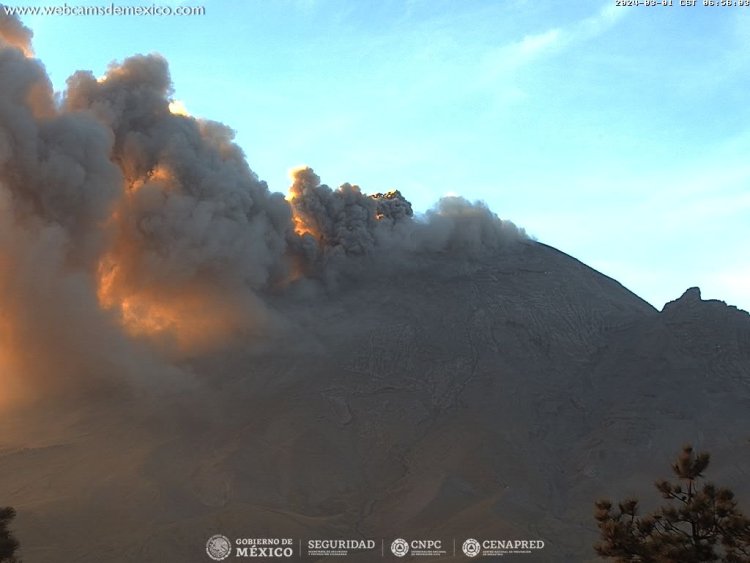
(343,219)
(193,206)
(128,229)
(392,206)
(350,221)
(58,188)
(456,224)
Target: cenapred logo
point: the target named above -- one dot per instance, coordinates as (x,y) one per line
(471,547)
(218,547)
(400,547)
(499,548)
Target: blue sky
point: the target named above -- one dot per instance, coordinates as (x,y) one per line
(620,135)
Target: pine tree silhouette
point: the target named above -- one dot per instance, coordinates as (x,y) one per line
(8,543)
(698,523)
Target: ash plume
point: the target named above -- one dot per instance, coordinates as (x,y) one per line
(352,222)
(133,233)
(392,206)
(191,205)
(457,224)
(344,219)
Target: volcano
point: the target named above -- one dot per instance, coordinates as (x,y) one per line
(489,396)
(191,363)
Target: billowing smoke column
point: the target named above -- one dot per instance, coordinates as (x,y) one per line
(58,186)
(195,228)
(344,219)
(127,231)
(350,222)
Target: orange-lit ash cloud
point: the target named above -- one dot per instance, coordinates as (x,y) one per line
(194,234)
(176,306)
(301,226)
(177,107)
(14,34)
(189,320)
(132,233)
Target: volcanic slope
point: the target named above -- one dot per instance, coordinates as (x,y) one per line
(490,396)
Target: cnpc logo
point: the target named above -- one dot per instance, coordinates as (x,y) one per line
(400,547)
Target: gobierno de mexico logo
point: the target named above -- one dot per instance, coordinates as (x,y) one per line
(218,547)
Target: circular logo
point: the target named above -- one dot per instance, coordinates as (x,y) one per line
(400,547)
(471,547)
(218,547)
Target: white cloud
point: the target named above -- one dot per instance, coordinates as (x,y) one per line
(532,46)
(501,60)
(500,63)
(597,24)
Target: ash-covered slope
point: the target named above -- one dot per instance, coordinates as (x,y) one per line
(495,396)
